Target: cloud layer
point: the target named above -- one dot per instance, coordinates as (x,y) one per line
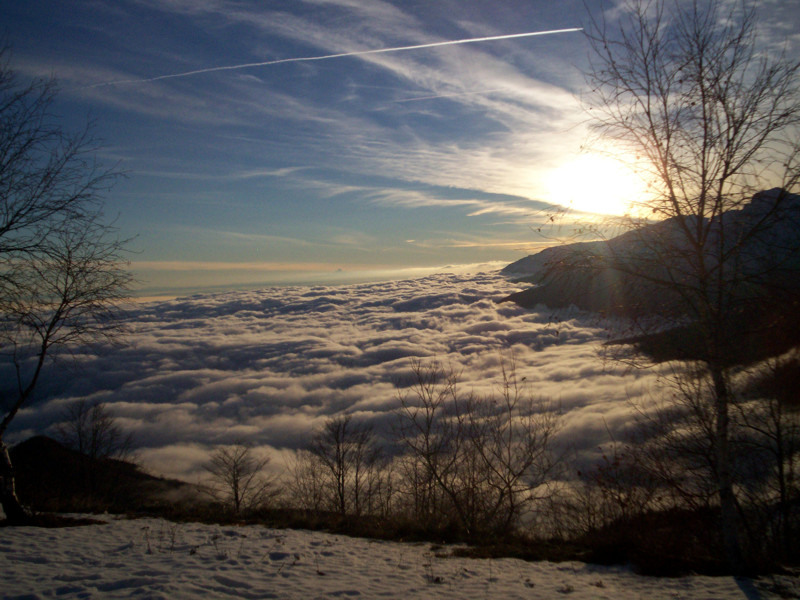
(268,366)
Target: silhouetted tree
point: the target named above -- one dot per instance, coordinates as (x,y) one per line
(91,429)
(768,417)
(481,461)
(307,482)
(237,478)
(430,439)
(62,274)
(712,118)
(348,454)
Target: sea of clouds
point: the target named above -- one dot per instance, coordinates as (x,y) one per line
(269,366)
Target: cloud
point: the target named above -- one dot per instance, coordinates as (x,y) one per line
(267,366)
(514,133)
(187,265)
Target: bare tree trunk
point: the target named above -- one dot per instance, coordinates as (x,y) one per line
(15,514)
(727,498)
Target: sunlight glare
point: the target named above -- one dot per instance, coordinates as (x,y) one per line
(593,183)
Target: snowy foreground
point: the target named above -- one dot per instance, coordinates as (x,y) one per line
(153,558)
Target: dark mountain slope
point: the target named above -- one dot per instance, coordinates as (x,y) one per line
(757,248)
(51,477)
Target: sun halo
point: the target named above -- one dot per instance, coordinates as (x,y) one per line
(595,184)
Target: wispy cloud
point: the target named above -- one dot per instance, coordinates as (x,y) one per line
(517,124)
(453,95)
(524,246)
(267,266)
(448,113)
(406,197)
(257,173)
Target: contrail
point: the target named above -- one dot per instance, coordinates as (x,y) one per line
(340,55)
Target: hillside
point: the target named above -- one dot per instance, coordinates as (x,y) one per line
(51,477)
(612,277)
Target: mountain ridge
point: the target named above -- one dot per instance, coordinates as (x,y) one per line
(616,277)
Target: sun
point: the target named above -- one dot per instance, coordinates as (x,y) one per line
(597,184)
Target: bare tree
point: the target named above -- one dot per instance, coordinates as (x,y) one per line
(430,439)
(479,460)
(675,440)
(512,433)
(348,454)
(237,478)
(307,482)
(769,422)
(616,489)
(62,272)
(91,429)
(712,118)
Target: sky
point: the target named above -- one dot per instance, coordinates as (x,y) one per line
(257,167)
(312,170)
(394,165)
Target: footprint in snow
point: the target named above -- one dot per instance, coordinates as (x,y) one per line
(230,582)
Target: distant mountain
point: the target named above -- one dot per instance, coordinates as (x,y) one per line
(758,244)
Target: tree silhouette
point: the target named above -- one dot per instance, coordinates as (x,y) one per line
(712,118)
(237,478)
(62,273)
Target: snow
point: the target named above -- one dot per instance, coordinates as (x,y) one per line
(154,558)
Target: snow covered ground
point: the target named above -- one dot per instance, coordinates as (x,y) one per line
(153,558)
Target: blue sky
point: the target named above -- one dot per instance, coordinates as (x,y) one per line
(327,169)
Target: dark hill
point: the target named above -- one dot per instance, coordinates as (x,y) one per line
(51,477)
(759,244)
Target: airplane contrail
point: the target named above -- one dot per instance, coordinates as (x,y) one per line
(340,55)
